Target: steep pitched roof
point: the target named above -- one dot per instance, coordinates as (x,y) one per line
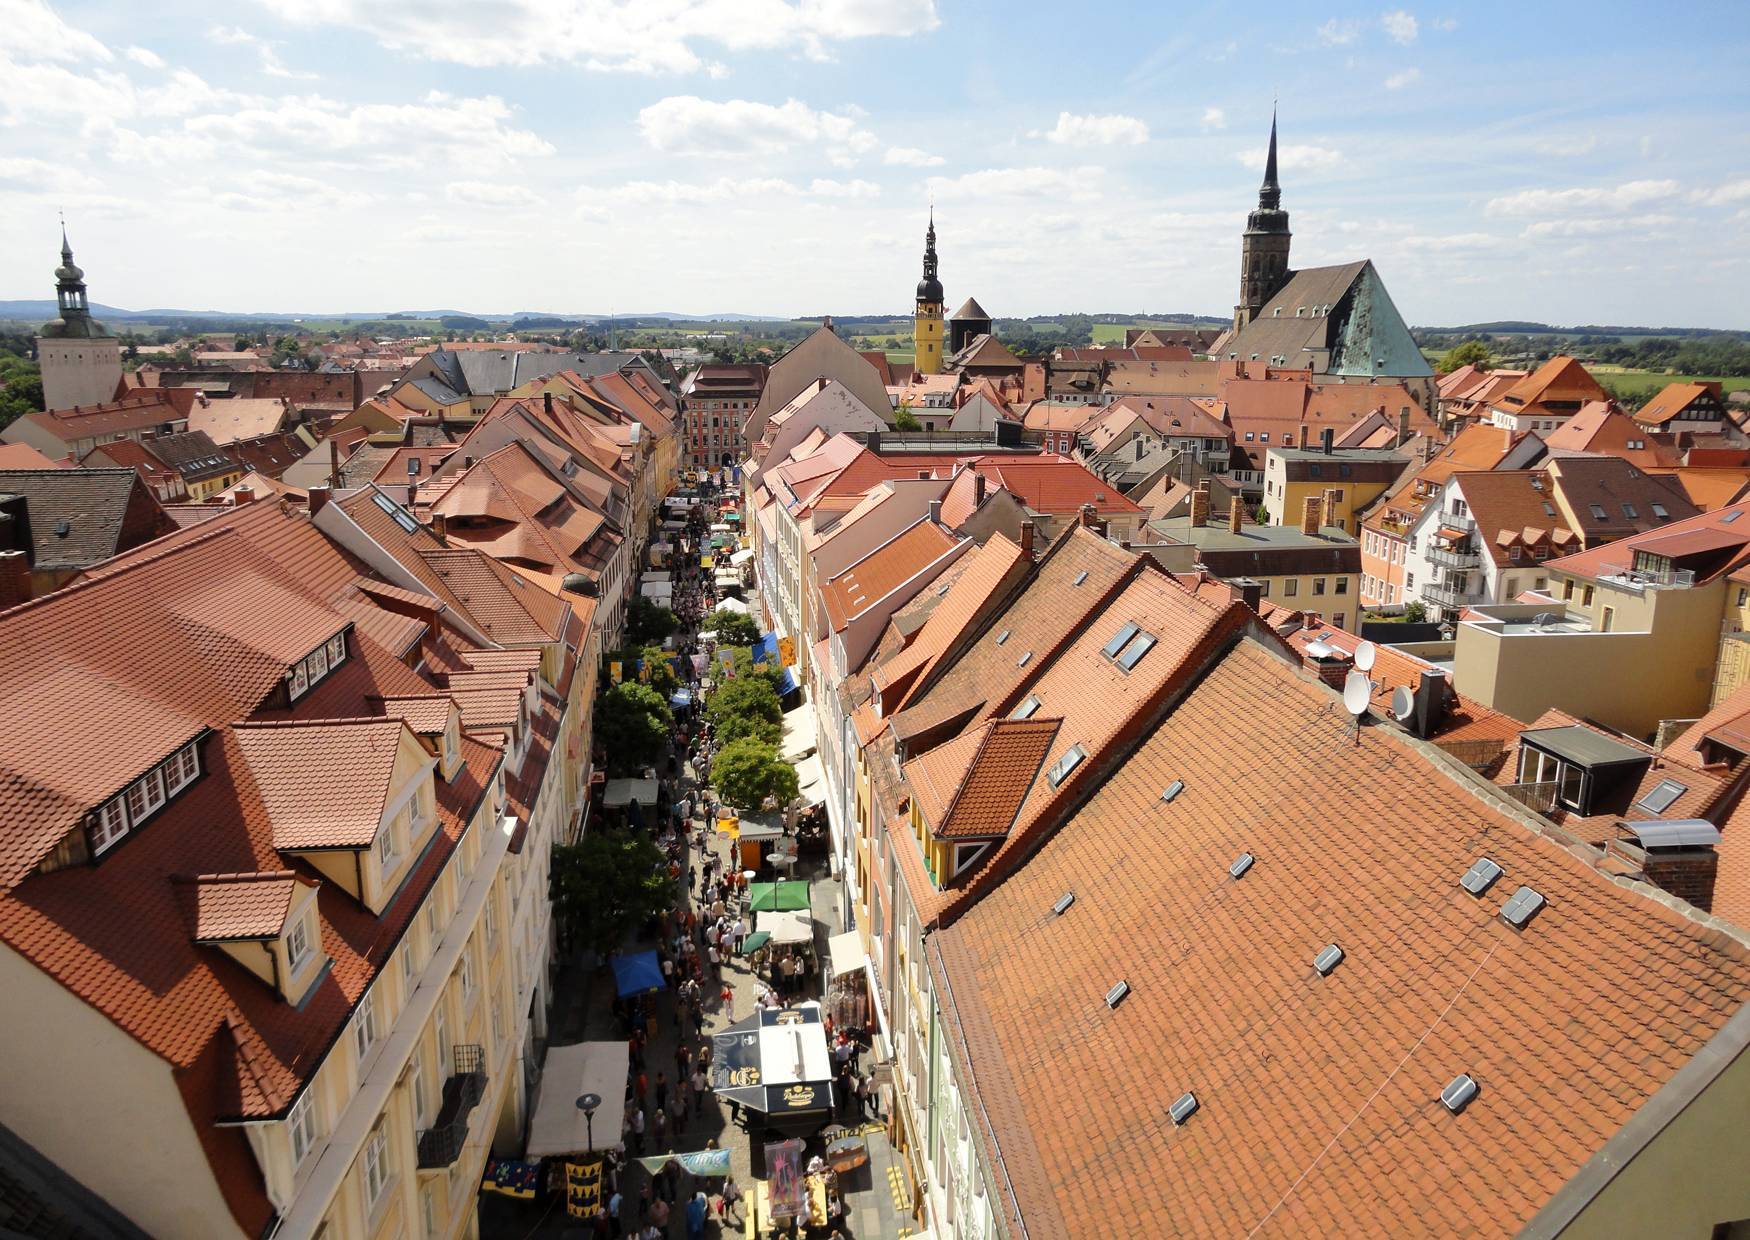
(1557,383)
(1671,401)
(1727,551)
(81,516)
(821,354)
(1223,993)
(1335,320)
(884,570)
(972,787)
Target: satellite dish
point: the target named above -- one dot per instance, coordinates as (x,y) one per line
(1365,654)
(1402,703)
(1357,689)
(1319,649)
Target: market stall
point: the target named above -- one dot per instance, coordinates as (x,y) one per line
(847,993)
(786,928)
(777,897)
(623,792)
(637,973)
(810,782)
(556,1125)
(799,733)
(776,1064)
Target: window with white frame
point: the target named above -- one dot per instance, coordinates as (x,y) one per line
(465,971)
(386,845)
(146,796)
(421,1089)
(364,1025)
(314,667)
(301,1126)
(298,942)
(376,1165)
(112,822)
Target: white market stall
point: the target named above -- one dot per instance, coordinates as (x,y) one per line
(799,735)
(557,1127)
(622,792)
(786,926)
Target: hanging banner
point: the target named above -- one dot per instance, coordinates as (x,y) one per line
(698,664)
(583,1188)
(786,1190)
(787,651)
(698,1162)
(614,670)
(643,672)
(728,664)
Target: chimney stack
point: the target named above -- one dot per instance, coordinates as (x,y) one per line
(1428,706)
(936,512)
(333,463)
(243,495)
(1334,670)
(547,403)
(977,489)
(1199,507)
(1333,505)
(440,527)
(1403,427)
(1686,871)
(318,499)
(14,578)
(1027,539)
(1251,591)
(1325,440)
(412,491)
(1311,514)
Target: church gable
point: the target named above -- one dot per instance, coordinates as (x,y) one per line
(1373,338)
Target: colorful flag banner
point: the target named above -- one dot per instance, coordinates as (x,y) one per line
(786,1190)
(614,671)
(697,1162)
(583,1188)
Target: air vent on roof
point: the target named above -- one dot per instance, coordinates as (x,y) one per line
(1025,710)
(1063,902)
(1183,1108)
(1480,877)
(1521,907)
(1124,634)
(1022,661)
(1060,770)
(1080,577)
(1661,798)
(942,592)
(1172,790)
(1328,959)
(1456,1096)
(1002,637)
(1730,517)
(1241,864)
(63,528)
(1115,996)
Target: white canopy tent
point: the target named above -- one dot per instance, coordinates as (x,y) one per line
(622,792)
(788,926)
(741,557)
(732,604)
(811,781)
(557,1126)
(656,589)
(799,734)
(846,953)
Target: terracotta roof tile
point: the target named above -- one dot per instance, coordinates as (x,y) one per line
(987,773)
(1319,1111)
(241,906)
(424,713)
(343,806)
(884,570)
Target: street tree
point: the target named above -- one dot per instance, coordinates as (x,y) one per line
(1470,353)
(607,886)
(747,772)
(632,724)
(733,628)
(744,696)
(647,624)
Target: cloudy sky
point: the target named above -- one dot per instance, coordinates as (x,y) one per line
(1572,163)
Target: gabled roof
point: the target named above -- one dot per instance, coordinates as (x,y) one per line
(228,907)
(881,572)
(972,787)
(983,350)
(1224,997)
(341,807)
(1673,400)
(1334,320)
(1561,380)
(1720,557)
(81,516)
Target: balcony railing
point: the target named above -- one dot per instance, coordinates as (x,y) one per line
(1442,595)
(1455,557)
(441,1144)
(1538,798)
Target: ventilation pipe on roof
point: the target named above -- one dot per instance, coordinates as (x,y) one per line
(1428,704)
(1325,440)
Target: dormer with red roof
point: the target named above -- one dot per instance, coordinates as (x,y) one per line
(265,921)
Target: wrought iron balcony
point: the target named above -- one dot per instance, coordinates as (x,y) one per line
(1455,557)
(1444,595)
(441,1144)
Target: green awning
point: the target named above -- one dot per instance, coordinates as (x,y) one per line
(753,942)
(787,896)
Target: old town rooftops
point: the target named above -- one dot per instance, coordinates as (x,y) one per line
(344,807)
(1318,1096)
(1726,551)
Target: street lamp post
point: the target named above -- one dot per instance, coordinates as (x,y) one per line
(588,1104)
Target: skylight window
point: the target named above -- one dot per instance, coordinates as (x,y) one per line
(1002,637)
(1456,1096)
(1663,795)
(1172,790)
(1080,577)
(1060,770)
(1132,654)
(1241,864)
(1725,520)
(1026,708)
(1660,511)
(1328,959)
(1480,877)
(1025,656)
(1628,510)
(1115,996)
(1183,1108)
(1063,902)
(1598,513)
(1123,635)
(1521,907)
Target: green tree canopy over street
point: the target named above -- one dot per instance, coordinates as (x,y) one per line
(746,772)
(606,886)
(733,628)
(632,725)
(1470,353)
(647,624)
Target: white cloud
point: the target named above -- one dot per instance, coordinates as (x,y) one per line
(41,175)
(1214,118)
(1577,201)
(1725,195)
(37,31)
(670,193)
(145,56)
(1111,130)
(843,189)
(612,36)
(1301,157)
(1078,185)
(1452,242)
(687,124)
(264,51)
(1402,78)
(911,157)
(1596,226)
(490,194)
(1338,33)
(1400,25)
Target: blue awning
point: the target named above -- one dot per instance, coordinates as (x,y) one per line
(637,973)
(787,683)
(765,650)
(681,697)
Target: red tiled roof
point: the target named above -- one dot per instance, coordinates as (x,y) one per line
(1318,1097)
(1559,379)
(978,781)
(1616,557)
(242,906)
(324,783)
(1671,400)
(1053,484)
(982,574)
(884,570)
(424,713)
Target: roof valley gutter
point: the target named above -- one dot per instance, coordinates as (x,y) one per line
(977,1094)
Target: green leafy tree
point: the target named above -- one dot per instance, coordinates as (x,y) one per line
(647,624)
(1415,612)
(733,628)
(183,357)
(608,885)
(21,388)
(661,676)
(905,420)
(747,772)
(1470,353)
(744,696)
(632,725)
(743,727)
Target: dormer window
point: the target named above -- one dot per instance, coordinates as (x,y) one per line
(314,667)
(143,798)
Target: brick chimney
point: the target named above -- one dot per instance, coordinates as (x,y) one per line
(1236,514)
(1027,539)
(1686,872)
(333,463)
(1312,515)
(1334,670)
(14,578)
(440,526)
(318,499)
(1333,504)
(1403,427)
(1251,591)
(977,489)
(547,403)
(1325,440)
(1199,507)
(243,495)
(1088,514)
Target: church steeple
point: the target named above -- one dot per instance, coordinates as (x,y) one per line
(71,299)
(927,323)
(1264,248)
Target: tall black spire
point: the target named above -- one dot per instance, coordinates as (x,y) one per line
(1270,193)
(930,288)
(70,298)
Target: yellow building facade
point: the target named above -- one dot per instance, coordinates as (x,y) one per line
(927,325)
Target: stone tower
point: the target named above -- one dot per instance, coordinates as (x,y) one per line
(1264,249)
(81,362)
(927,326)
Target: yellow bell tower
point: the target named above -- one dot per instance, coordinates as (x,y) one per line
(927,326)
